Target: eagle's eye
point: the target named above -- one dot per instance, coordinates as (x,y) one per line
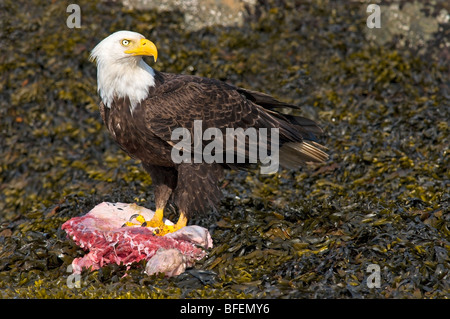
(125,42)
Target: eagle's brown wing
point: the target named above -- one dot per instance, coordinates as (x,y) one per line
(181,99)
(178,100)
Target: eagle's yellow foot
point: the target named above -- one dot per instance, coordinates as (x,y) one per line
(138,217)
(165,229)
(157,222)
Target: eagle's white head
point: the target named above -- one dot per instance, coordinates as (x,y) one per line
(121,72)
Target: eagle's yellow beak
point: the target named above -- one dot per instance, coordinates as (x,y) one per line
(144,47)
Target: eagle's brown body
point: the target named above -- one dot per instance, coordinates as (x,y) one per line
(176,101)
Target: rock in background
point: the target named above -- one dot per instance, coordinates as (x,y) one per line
(200,13)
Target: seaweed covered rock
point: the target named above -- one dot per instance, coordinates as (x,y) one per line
(381,95)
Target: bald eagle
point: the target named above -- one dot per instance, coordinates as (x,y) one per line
(141,107)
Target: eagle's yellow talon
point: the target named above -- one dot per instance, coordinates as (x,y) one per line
(157,222)
(133,217)
(140,219)
(129,224)
(157,219)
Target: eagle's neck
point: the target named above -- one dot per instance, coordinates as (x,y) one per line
(128,78)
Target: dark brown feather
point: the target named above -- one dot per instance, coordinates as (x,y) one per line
(176,101)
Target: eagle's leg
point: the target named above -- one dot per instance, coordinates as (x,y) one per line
(164,180)
(182,222)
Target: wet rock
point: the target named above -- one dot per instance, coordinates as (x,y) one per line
(200,13)
(381,199)
(409,23)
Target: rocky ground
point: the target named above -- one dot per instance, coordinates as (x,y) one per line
(380,202)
